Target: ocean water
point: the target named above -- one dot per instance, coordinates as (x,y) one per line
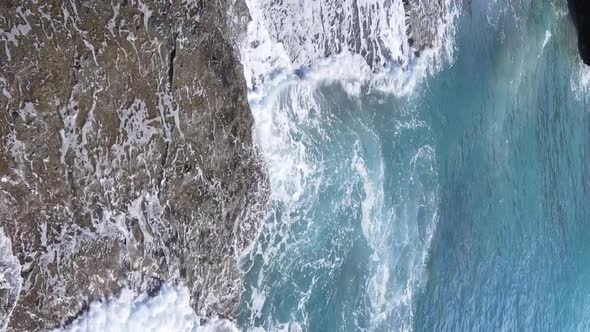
(511,250)
(453,197)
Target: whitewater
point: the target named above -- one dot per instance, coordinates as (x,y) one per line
(418,189)
(416,186)
(343,235)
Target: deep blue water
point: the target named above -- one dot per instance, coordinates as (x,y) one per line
(512,247)
(464,206)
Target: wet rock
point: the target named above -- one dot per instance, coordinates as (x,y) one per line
(423,22)
(127,156)
(375,30)
(580,13)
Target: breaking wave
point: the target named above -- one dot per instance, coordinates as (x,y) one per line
(319,76)
(168,310)
(370,45)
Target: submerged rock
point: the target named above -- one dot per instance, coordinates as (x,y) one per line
(580,12)
(127,156)
(423,22)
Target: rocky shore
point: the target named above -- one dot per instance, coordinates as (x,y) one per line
(127,156)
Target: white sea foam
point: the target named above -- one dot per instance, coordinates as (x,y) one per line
(372,204)
(360,44)
(284,120)
(169,310)
(580,80)
(10,278)
(292,48)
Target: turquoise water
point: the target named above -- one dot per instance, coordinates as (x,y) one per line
(464,206)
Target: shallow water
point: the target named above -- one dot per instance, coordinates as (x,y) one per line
(464,205)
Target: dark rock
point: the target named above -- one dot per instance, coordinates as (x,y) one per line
(580,12)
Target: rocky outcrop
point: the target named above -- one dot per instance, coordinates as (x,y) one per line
(580,12)
(127,155)
(383,32)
